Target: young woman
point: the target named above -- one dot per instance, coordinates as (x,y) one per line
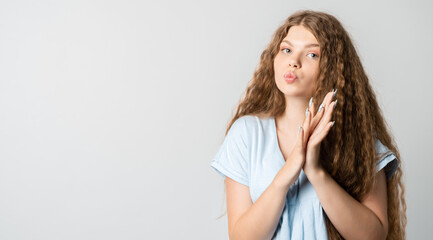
(296,171)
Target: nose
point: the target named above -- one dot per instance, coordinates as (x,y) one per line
(294,62)
(295,65)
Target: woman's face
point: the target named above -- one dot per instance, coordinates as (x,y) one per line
(296,65)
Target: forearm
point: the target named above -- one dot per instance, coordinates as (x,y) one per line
(351,218)
(261,219)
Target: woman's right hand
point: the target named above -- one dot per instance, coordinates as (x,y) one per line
(295,161)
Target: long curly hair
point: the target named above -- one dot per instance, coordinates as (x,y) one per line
(347,152)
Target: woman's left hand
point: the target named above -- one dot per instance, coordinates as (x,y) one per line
(319,128)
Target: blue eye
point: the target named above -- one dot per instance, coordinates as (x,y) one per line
(286,49)
(313,55)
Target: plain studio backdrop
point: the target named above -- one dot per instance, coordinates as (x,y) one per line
(111,111)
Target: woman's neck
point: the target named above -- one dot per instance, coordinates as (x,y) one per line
(293,115)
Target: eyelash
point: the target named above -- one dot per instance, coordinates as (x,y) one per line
(315,55)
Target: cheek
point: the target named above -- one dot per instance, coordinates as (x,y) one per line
(277,71)
(315,70)
(278,61)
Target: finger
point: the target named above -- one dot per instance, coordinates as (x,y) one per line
(300,140)
(306,125)
(318,115)
(327,116)
(318,138)
(315,121)
(329,98)
(325,104)
(312,110)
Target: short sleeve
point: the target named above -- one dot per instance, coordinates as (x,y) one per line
(387,160)
(232,157)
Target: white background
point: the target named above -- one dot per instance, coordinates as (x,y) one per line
(111,111)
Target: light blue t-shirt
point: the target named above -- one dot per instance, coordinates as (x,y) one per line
(250,155)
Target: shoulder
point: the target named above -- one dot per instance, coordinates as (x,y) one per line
(248,119)
(381,149)
(386,159)
(250,123)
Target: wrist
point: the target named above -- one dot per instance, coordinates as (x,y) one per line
(315,175)
(280,186)
(284,180)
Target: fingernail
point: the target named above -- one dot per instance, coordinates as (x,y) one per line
(335,103)
(311,101)
(333,123)
(306,113)
(335,93)
(299,128)
(320,108)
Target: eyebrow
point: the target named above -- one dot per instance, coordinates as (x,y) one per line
(306,46)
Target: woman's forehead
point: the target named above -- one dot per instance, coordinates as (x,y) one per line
(301,36)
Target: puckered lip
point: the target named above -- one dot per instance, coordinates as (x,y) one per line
(290,75)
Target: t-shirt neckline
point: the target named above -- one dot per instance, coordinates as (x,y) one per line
(277,148)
